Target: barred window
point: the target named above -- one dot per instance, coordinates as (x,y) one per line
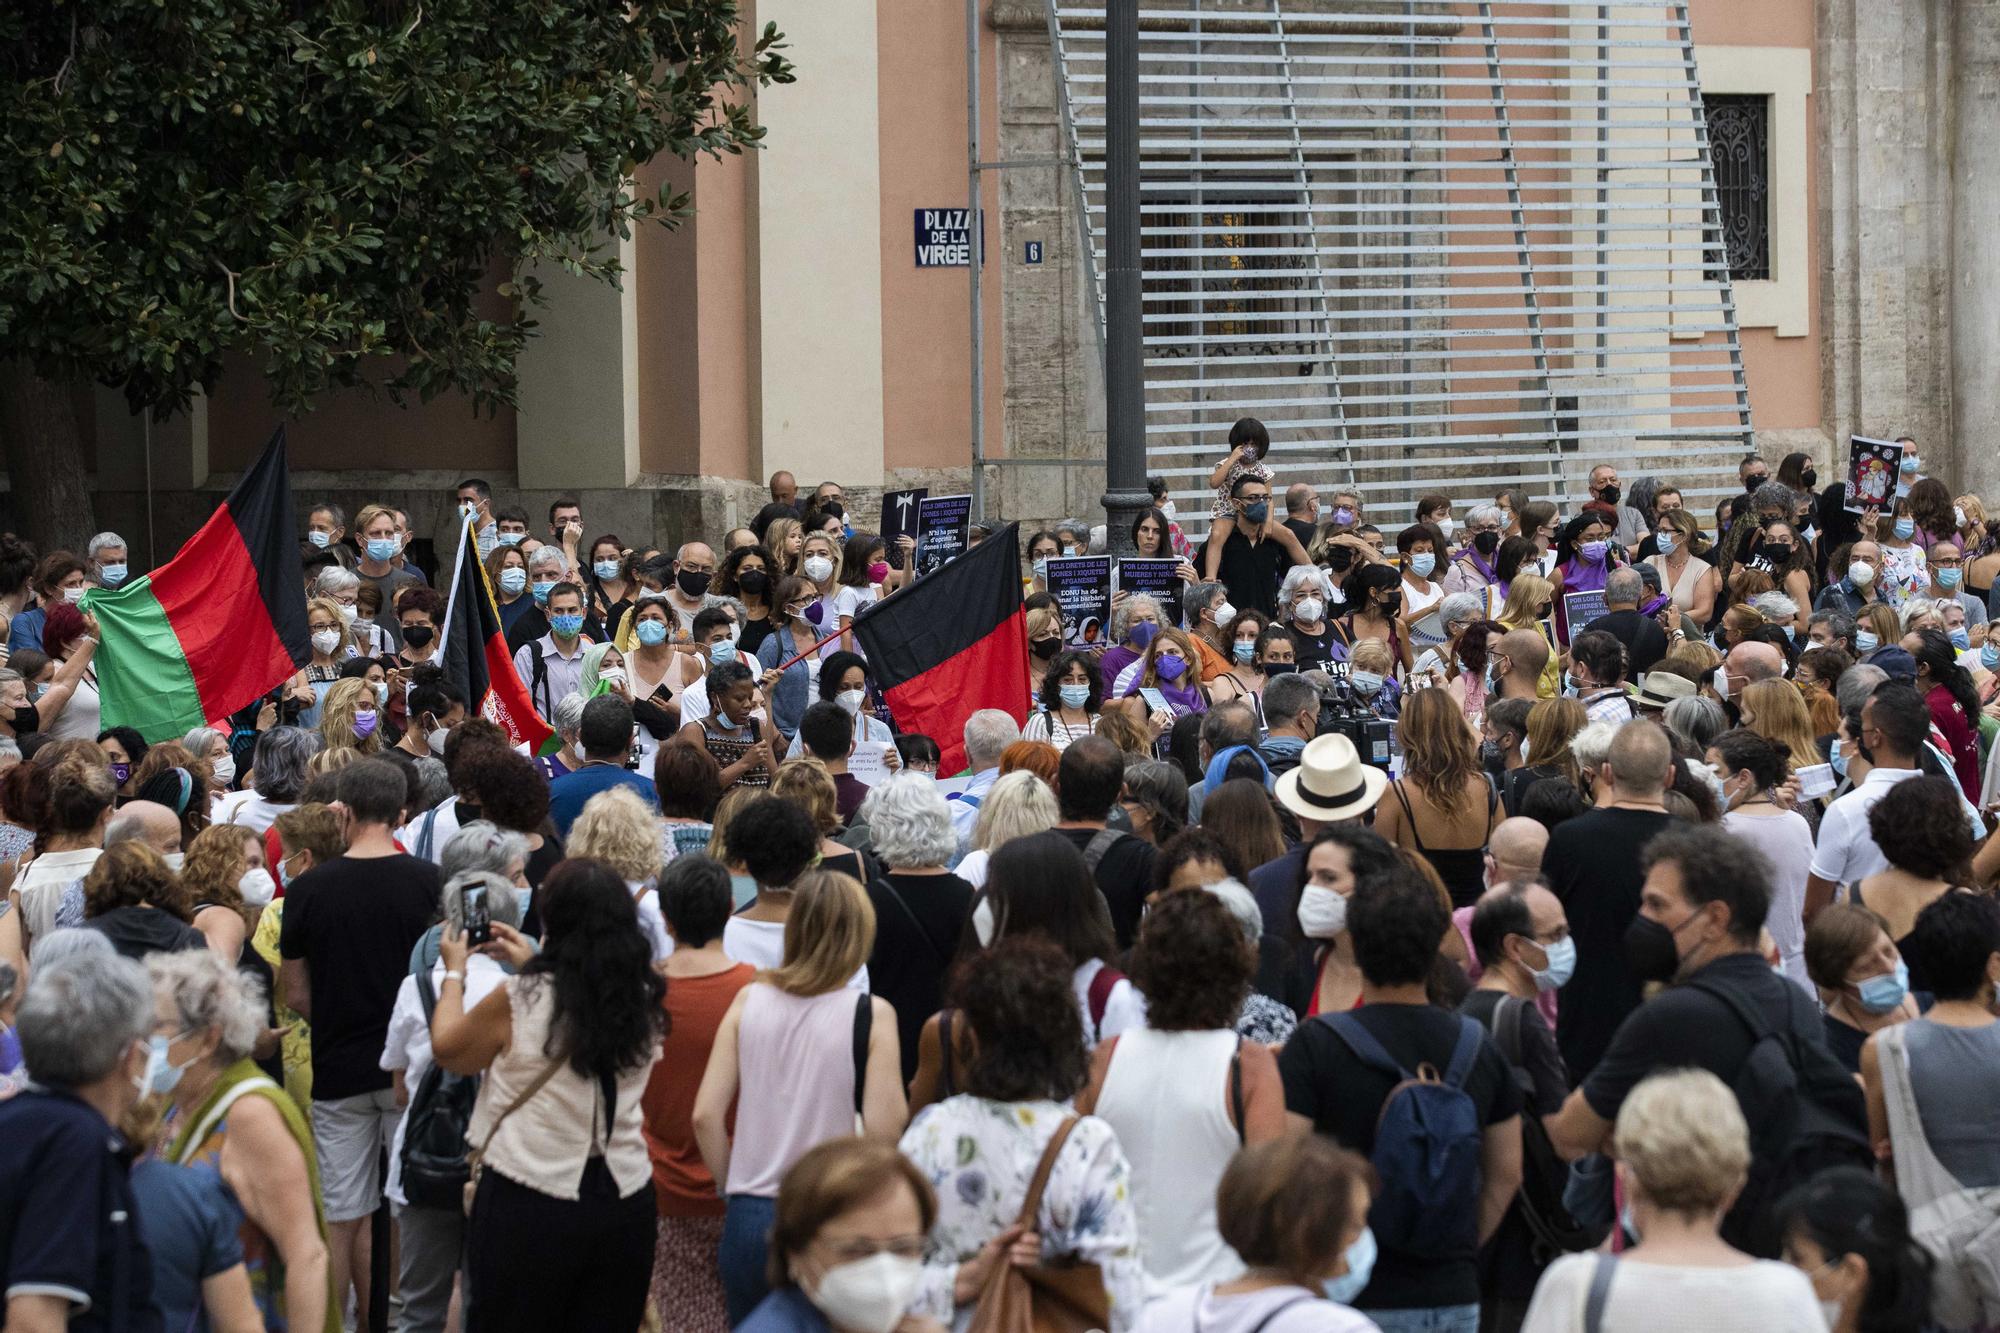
(1739,143)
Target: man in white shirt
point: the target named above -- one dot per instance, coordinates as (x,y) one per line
(433,1236)
(552,665)
(987,733)
(1895,722)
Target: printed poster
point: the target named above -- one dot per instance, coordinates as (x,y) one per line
(1580,608)
(899,516)
(1158,579)
(943,524)
(1081,586)
(1871,473)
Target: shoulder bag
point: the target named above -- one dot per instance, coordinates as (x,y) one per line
(1042,1297)
(475,1158)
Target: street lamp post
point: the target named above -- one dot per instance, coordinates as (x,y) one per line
(1125,491)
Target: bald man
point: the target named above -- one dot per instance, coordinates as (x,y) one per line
(148,822)
(1592,865)
(1514,851)
(1518,661)
(1748,663)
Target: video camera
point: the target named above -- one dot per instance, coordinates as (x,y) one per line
(1343,712)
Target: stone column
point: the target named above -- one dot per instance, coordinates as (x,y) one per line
(1974,464)
(579,415)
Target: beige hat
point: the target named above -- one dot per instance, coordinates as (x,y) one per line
(1331,783)
(1657,689)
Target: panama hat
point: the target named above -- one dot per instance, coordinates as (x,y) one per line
(1657,689)
(1331,783)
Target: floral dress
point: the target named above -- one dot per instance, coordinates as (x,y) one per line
(979,1156)
(1224,507)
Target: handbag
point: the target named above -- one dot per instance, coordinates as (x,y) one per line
(1063,1297)
(1959,1226)
(475,1158)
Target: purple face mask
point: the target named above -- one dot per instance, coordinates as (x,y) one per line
(815,613)
(120,772)
(1170,668)
(1142,634)
(364,724)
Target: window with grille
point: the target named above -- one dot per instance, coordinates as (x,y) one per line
(1739,142)
(1227,300)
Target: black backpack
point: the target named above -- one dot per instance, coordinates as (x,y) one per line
(1544,1174)
(1805,1114)
(435,1169)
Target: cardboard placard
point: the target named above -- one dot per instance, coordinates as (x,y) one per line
(899,515)
(1872,469)
(1081,586)
(1580,608)
(1156,578)
(943,524)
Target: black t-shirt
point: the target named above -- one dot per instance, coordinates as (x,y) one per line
(1508,1264)
(917,923)
(1251,570)
(68,1224)
(1592,864)
(1303,530)
(1125,875)
(1684,1026)
(1343,1098)
(1645,642)
(754,634)
(354,922)
(1315,651)
(137,931)
(1514,786)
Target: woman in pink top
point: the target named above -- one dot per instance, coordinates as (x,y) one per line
(785,1057)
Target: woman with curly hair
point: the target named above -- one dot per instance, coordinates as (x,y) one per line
(1445,806)
(566,1045)
(223,872)
(1919,826)
(617,828)
(982,1146)
(784,1056)
(1071,699)
(1184,1092)
(349,719)
(133,898)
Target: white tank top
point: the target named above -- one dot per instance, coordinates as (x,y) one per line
(1167,1095)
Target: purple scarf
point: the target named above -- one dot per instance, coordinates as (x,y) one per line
(1582,576)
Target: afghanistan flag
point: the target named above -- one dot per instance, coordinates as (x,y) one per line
(221,623)
(952,643)
(475,656)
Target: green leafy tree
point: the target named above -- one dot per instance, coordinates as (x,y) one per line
(329,186)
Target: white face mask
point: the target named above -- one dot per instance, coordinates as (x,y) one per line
(1322,912)
(74,594)
(257,887)
(868,1295)
(347,613)
(982,922)
(1224,614)
(1721,681)
(612,675)
(224,769)
(851,700)
(1447,526)
(818,568)
(1308,611)
(325,641)
(174,860)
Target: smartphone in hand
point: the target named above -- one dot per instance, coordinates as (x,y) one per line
(478,921)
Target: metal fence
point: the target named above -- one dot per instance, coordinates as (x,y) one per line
(1434,246)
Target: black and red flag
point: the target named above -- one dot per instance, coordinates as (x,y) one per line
(475,657)
(219,624)
(952,643)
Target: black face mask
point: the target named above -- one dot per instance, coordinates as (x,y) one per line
(1752,483)
(1809,479)
(1391,604)
(1773,552)
(1045,648)
(1492,757)
(1486,543)
(753,581)
(1609,495)
(693,582)
(1340,559)
(1650,950)
(27,719)
(418,635)
(1279,668)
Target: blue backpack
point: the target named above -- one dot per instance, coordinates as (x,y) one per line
(1427,1144)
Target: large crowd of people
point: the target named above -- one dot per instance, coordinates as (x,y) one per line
(1552,914)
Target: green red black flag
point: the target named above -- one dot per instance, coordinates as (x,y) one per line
(952,643)
(221,623)
(475,657)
